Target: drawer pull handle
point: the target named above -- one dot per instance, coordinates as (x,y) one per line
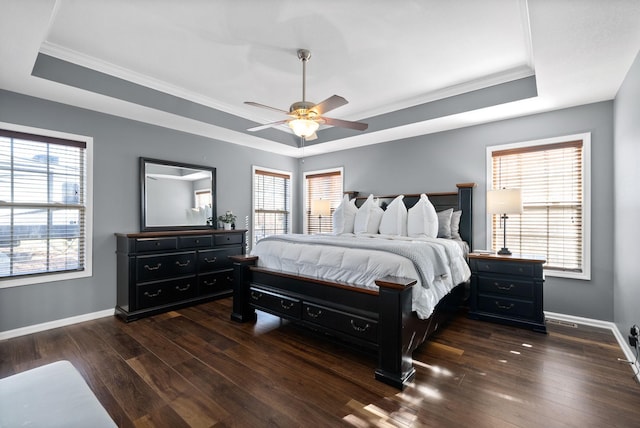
(502,287)
(286,305)
(156,267)
(504,307)
(358,328)
(185,288)
(183,264)
(197,241)
(255,295)
(213,260)
(313,314)
(156,294)
(211,282)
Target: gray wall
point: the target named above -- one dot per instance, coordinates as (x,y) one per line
(118,143)
(627,201)
(437,162)
(434,162)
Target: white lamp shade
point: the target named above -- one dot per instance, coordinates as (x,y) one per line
(304,127)
(504,201)
(321,207)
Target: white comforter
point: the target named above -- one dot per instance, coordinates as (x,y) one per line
(437,264)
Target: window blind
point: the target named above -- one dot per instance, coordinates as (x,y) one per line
(42,204)
(551,179)
(272,203)
(325,185)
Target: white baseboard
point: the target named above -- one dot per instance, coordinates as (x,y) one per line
(622,341)
(54,324)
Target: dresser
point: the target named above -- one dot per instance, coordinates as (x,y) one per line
(163,271)
(508,290)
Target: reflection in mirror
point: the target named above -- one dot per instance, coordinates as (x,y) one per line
(176,196)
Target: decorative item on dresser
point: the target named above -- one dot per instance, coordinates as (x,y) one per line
(162,271)
(507,289)
(380,318)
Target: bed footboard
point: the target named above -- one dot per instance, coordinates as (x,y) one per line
(373,319)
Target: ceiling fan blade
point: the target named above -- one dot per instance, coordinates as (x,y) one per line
(251,103)
(345,124)
(329,104)
(268,125)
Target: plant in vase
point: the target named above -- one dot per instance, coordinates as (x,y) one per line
(227,219)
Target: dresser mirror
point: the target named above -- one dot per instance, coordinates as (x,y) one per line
(176,196)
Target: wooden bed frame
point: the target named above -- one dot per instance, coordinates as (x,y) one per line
(380,320)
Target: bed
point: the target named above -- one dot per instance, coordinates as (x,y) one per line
(382,317)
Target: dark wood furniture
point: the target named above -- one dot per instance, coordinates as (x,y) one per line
(507,289)
(162,271)
(379,320)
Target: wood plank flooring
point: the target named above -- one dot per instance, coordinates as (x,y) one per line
(194,367)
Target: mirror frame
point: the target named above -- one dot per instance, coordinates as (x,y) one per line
(143,195)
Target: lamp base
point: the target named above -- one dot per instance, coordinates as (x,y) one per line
(504,252)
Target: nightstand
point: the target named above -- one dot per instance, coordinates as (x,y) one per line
(507,289)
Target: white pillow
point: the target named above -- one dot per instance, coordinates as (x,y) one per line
(394,219)
(344,216)
(368,217)
(444,223)
(455,224)
(422,219)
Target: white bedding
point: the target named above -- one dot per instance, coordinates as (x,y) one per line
(437,264)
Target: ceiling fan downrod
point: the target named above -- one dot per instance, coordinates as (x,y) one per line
(304,56)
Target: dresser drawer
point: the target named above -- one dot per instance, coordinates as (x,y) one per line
(228,238)
(163,292)
(156,244)
(209,260)
(506,307)
(362,328)
(275,303)
(213,283)
(505,286)
(149,268)
(199,241)
(514,268)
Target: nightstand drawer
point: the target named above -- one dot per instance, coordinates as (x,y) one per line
(505,286)
(507,307)
(508,268)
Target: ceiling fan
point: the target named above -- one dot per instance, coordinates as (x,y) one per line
(306,117)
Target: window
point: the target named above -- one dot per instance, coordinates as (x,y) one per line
(323,185)
(553,177)
(271,202)
(45,231)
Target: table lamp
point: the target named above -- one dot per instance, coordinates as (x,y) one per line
(504,201)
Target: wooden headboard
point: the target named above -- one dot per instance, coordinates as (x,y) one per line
(462,199)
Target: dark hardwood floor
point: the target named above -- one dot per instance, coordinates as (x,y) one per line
(194,367)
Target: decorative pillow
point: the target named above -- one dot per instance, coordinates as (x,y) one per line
(455,224)
(394,219)
(422,219)
(362,216)
(344,216)
(444,223)
(375,218)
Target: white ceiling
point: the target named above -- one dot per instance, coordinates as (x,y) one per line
(382,56)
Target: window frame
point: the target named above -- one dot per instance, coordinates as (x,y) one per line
(255,168)
(334,204)
(87,272)
(586,192)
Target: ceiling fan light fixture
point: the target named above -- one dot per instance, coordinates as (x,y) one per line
(304,127)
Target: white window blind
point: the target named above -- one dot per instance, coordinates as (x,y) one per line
(551,178)
(271,203)
(325,185)
(43,205)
